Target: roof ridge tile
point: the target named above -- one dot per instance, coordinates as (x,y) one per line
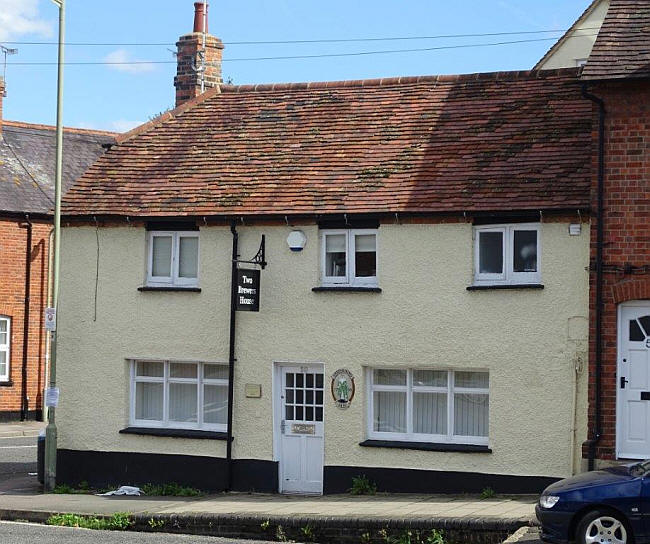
(69,130)
(401,80)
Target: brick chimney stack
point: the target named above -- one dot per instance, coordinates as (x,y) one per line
(190,48)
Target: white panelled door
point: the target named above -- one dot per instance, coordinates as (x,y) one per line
(633,414)
(301,429)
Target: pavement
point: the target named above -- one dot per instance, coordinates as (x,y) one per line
(23,428)
(336,518)
(25,494)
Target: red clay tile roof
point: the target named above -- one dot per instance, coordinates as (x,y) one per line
(501,141)
(622,48)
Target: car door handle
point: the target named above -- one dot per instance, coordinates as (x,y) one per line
(623,382)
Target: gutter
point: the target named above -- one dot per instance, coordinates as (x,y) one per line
(24,403)
(597,431)
(231,356)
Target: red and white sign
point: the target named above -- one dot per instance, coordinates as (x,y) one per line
(50,319)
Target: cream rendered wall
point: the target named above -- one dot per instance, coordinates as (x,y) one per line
(578,43)
(529,340)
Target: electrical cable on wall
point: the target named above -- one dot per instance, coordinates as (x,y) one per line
(96,267)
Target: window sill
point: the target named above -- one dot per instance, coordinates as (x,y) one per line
(425,446)
(6,384)
(505,286)
(175,433)
(169,288)
(345,289)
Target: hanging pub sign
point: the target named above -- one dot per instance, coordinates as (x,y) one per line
(248,290)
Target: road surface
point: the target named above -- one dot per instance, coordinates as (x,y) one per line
(27,533)
(17,456)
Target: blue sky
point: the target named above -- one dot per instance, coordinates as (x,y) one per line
(118,98)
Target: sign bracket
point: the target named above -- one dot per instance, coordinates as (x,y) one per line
(260,257)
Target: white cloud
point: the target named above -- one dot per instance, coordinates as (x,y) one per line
(119,59)
(21,17)
(123,125)
(119,125)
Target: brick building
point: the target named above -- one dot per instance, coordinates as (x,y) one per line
(616,79)
(27,154)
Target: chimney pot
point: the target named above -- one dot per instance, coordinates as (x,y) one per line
(198,17)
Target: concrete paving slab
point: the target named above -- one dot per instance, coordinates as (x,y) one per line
(276,505)
(23,428)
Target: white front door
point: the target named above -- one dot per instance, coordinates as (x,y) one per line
(633,414)
(301,428)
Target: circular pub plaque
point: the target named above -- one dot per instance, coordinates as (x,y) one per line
(342,387)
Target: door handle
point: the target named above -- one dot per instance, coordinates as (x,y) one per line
(283,426)
(623,382)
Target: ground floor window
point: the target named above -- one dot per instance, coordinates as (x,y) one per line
(5,340)
(428,405)
(180,395)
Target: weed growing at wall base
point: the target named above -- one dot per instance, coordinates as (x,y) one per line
(488,493)
(170,490)
(361,485)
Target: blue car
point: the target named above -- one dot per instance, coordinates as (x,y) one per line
(609,506)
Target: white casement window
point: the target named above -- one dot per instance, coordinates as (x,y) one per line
(173,258)
(349,257)
(179,395)
(5,347)
(507,254)
(428,405)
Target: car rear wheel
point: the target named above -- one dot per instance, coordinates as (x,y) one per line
(600,527)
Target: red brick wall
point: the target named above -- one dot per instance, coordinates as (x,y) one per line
(13,241)
(626,233)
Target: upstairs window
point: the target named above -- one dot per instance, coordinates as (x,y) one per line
(173,258)
(5,341)
(349,257)
(507,254)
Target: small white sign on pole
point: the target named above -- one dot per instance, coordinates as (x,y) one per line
(50,319)
(52,397)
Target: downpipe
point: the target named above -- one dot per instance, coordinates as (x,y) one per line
(597,431)
(24,404)
(231,356)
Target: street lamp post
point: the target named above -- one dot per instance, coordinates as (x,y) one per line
(50,430)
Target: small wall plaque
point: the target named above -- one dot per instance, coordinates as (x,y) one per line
(253,390)
(303,428)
